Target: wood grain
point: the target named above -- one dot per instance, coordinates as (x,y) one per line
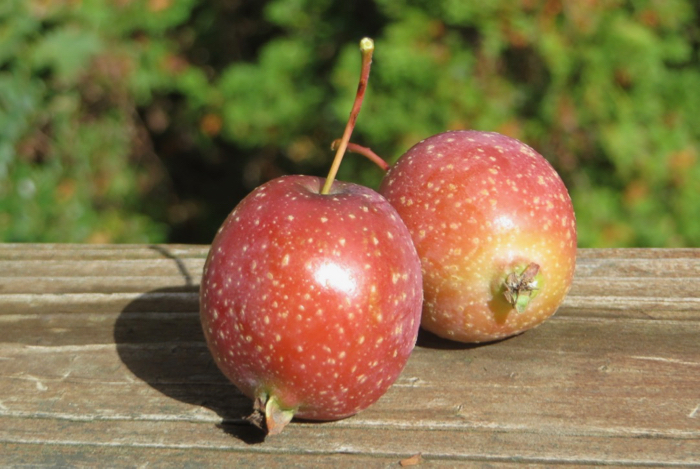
(102,359)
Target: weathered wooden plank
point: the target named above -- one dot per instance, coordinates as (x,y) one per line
(90,328)
(76,455)
(103,284)
(638,253)
(672,271)
(638,263)
(42,455)
(184,299)
(621,307)
(75,260)
(680,289)
(568,375)
(101,355)
(87,252)
(186,268)
(312,439)
(634,283)
(169,300)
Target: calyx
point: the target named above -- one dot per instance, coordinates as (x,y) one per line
(519,289)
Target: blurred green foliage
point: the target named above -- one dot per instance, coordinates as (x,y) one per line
(148,120)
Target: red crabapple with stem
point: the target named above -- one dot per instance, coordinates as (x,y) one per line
(311,294)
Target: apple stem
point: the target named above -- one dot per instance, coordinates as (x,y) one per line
(364,151)
(269,416)
(276,418)
(367,49)
(519,289)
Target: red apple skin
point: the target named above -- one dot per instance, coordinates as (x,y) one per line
(480,205)
(312,299)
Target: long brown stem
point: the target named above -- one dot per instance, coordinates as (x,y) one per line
(367,49)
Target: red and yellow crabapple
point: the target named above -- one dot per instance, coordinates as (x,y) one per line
(495,230)
(310,302)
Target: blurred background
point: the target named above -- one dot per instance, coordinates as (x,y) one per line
(146,121)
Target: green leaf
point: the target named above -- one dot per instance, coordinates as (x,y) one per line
(67,51)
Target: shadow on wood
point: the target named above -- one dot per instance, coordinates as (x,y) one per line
(159,338)
(429,340)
